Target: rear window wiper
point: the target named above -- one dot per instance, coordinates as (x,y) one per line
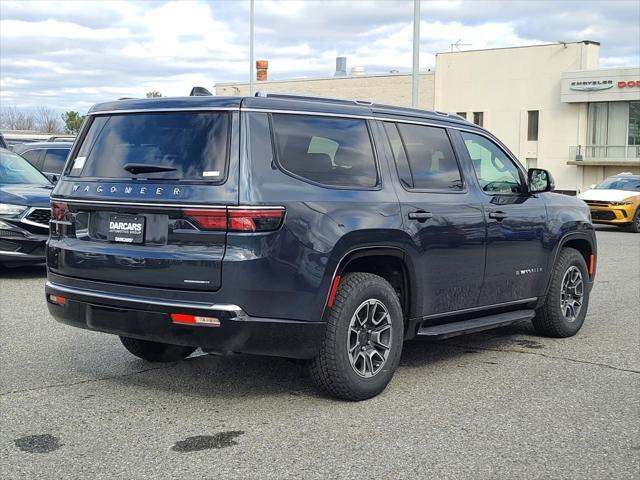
(136,168)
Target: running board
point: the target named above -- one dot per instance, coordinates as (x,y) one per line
(475,324)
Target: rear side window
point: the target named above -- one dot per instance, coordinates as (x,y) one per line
(54,160)
(181,145)
(326,150)
(424,157)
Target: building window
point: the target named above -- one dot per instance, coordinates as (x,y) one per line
(611,128)
(532,126)
(478,118)
(634,123)
(462,114)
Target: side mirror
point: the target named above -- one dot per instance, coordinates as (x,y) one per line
(540,180)
(53,178)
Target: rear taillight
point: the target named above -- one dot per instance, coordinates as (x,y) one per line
(209,219)
(257,220)
(237,219)
(59,210)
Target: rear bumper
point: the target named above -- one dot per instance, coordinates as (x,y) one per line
(148,319)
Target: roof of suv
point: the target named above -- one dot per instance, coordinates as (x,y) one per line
(22,147)
(274,102)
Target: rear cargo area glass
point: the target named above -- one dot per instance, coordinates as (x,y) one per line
(189,145)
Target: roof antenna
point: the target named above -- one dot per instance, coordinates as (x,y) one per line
(200,92)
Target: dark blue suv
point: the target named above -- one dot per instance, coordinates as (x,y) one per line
(311,228)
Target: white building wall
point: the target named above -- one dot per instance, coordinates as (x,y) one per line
(506,83)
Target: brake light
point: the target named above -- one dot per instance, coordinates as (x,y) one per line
(209,219)
(185,319)
(237,219)
(257,220)
(59,210)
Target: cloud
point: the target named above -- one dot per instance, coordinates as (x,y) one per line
(69,55)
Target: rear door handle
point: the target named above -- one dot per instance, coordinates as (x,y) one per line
(499,216)
(421,216)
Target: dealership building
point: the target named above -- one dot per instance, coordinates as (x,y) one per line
(550,104)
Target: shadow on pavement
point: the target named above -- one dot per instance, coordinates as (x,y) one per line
(23,272)
(240,376)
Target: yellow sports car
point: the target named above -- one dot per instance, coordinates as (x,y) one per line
(616,201)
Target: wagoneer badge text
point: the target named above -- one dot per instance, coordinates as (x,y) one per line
(143,190)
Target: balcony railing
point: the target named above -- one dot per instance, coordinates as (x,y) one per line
(605,152)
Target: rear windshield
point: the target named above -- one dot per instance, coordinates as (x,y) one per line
(174,146)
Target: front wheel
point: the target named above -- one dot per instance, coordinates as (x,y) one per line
(363,339)
(155,351)
(565,306)
(634,226)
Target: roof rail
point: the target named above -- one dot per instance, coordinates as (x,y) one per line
(293,96)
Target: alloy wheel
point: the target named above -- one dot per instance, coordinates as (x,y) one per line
(369,338)
(571,293)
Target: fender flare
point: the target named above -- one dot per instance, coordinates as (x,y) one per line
(561,243)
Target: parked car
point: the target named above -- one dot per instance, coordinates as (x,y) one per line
(48,157)
(24,211)
(615,201)
(309,228)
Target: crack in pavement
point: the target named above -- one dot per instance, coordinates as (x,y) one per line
(540,354)
(88,380)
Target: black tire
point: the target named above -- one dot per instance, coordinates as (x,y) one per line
(550,320)
(154,351)
(634,226)
(332,369)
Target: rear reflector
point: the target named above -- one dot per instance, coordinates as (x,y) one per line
(184,319)
(57,299)
(333,291)
(237,219)
(592,263)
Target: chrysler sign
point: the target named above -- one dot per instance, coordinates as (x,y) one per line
(591,85)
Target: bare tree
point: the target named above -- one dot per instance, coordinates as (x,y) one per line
(48,120)
(12,118)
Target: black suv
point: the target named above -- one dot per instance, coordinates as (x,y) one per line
(310,228)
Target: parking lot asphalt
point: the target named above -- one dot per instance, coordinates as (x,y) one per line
(501,404)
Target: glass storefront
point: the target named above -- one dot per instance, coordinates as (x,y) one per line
(613,130)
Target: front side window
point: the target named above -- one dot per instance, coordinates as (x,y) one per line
(495,171)
(424,157)
(330,151)
(34,157)
(165,145)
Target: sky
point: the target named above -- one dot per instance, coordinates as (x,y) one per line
(70,55)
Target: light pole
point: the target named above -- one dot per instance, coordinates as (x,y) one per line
(416,54)
(251,62)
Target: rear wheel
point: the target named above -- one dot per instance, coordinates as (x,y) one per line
(565,307)
(155,351)
(363,340)
(634,226)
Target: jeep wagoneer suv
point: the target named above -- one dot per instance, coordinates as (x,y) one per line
(310,228)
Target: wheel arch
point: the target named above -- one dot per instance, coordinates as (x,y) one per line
(583,243)
(390,263)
